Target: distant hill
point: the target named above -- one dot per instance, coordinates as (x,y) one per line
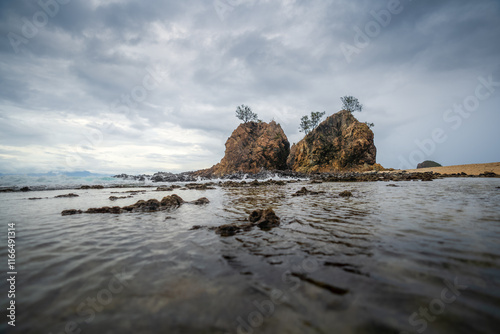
(71,174)
(427,164)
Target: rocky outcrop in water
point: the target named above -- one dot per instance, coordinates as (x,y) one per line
(151,205)
(159,177)
(264,219)
(253,146)
(345,193)
(339,143)
(304,191)
(376,176)
(67,195)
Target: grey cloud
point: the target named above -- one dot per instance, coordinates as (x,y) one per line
(282,58)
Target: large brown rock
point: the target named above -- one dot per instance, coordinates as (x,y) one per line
(253,146)
(339,143)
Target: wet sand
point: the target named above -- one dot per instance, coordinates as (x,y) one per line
(472,169)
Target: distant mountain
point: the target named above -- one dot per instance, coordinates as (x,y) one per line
(71,174)
(80,174)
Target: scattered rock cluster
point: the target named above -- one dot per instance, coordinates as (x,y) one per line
(489,174)
(92,187)
(169,188)
(305,191)
(345,193)
(159,177)
(264,219)
(151,205)
(200,186)
(114,198)
(254,183)
(375,176)
(67,195)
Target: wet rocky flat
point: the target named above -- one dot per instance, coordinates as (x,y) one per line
(254,257)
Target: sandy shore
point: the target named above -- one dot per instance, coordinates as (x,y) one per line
(473,169)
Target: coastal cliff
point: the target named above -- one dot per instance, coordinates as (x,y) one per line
(251,147)
(339,143)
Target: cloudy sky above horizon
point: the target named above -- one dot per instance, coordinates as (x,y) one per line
(139,87)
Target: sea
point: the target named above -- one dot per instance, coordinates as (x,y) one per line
(395,257)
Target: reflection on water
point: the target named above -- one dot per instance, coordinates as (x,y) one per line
(420,257)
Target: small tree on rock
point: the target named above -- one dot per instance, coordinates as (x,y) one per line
(307,125)
(316,117)
(244,113)
(351,104)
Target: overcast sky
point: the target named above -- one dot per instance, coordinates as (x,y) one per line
(145,86)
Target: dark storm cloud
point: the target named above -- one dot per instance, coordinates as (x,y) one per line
(283,58)
(441,35)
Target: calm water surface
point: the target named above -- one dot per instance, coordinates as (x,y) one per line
(423,257)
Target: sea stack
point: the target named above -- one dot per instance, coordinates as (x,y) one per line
(253,146)
(339,143)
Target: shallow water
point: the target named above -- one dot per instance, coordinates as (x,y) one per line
(381,261)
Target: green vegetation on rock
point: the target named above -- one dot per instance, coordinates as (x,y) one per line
(428,163)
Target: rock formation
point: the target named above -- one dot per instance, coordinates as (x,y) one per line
(339,143)
(428,163)
(264,219)
(252,146)
(152,205)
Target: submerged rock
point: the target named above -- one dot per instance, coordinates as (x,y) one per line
(196,227)
(164,189)
(305,191)
(200,201)
(67,195)
(71,212)
(151,205)
(105,209)
(264,219)
(256,183)
(114,198)
(200,186)
(228,230)
(169,188)
(345,193)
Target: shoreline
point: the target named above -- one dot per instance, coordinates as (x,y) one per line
(469,169)
(489,170)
